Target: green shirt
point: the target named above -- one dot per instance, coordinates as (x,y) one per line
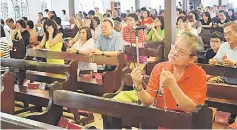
(152,36)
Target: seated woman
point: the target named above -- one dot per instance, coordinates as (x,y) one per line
(157,32)
(206,20)
(178,87)
(52,40)
(231,15)
(33,33)
(188,22)
(216,40)
(87,23)
(85,43)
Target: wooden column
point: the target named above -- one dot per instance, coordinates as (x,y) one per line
(71,8)
(170,25)
(137,5)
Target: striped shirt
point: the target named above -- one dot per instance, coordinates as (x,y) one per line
(5,49)
(130,36)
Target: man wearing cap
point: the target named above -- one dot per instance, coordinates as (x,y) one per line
(109,42)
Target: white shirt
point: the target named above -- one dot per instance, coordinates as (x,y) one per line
(8,36)
(225,50)
(88,45)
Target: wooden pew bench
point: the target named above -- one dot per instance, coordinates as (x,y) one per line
(36,97)
(14,122)
(110,81)
(199,118)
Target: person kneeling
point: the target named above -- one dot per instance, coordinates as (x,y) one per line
(183,84)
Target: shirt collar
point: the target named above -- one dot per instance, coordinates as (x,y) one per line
(186,75)
(231,48)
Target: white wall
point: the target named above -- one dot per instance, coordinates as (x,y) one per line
(59,5)
(34,9)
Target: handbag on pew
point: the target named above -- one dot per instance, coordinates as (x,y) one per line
(18,50)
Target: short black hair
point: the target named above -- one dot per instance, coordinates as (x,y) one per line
(2,32)
(30,24)
(46,10)
(221,11)
(134,16)
(22,23)
(40,13)
(25,18)
(9,20)
(64,11)
(57,20)
(123,15)
(2,22)
(218,35)
(91,12)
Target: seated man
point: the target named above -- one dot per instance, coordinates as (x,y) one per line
(227,54)
(215,42)
(182,83)
(109,42)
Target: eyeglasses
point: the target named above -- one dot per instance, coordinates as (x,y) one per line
(215,41)
(180,51)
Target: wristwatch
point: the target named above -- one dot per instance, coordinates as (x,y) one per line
(103,53)
(235,65)
(77,52)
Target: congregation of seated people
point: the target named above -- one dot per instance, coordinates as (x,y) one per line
(108,34)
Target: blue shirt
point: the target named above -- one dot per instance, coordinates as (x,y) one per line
(225,49)
(112,43)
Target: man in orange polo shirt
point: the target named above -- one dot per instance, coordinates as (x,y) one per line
(184,83)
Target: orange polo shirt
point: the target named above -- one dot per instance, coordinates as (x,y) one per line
(193,83)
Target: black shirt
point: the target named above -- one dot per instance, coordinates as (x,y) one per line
(207,23)
(118,19)
(233,18)
(25,36)
(219,21)
(209,55)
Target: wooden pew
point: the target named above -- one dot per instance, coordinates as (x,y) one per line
(13,122)
(38,97)
(7,93)
(110,80)
(197,119)
(221,96)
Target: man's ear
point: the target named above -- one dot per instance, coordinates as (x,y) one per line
(194,59)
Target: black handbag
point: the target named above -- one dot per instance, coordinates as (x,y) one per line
(18,50)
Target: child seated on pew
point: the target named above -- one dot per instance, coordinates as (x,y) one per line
(216,40)
(85,43)
(175,84)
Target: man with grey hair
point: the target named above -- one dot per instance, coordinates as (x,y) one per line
(227,54)
(182,88)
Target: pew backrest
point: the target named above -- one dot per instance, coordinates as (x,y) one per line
(199,118)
